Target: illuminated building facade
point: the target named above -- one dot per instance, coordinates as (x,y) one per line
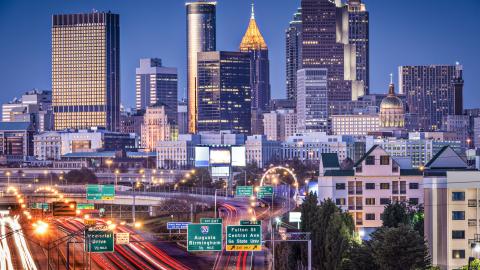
(329,47)
(432,92)
(224,91)
(293,46)
(312,99)
(157,84)
(201,37)
(86,70)
(359,35)
(155,127)
(254,44)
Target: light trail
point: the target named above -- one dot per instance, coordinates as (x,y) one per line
(28,263)
(5,250)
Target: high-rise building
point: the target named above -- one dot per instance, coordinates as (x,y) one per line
(432,92)
(224,91)
(312,99)
(34,106)
(182,117)
(201,37)
(86,70)
(458,125)
(293,40)
(155,127)
(359,35)
(279,124)
(254,44)
(328,47)
(156,84)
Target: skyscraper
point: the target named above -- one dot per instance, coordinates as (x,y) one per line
(155,85)
(293,40)
(359,35)
(432,92)
(254,44)
(224,91)
(201,37)
(328,47)
(312,102)
(86,70)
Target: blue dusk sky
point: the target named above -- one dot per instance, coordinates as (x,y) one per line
(407,32)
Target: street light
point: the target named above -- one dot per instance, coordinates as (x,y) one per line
(8,175)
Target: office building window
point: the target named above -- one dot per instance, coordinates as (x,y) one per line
(458,196)
(384,160)
(458,234)
(370,160)
(340,186)
(370,216)
(458,215)
(385,186)
(370,201)
(458,254)
(369,185)
(413,201)
(340,201)
(384,201)
(413,185)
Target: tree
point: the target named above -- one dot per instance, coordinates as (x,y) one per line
(474,265)
(82,176)
(398,213)
(331,232)
(360,258)
(399,248)
(395,214)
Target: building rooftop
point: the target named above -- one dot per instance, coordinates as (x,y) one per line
(253,39)
(12,126)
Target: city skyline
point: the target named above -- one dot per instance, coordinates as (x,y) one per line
(388,33)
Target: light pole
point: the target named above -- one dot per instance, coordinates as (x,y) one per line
(8,176)
(116,178)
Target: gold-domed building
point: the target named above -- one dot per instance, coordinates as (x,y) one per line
(392,112)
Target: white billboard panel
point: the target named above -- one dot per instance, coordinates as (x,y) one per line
(239,156)
(202,156)
(219,156)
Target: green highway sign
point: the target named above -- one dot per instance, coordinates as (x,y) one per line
(37,205)
(204,237)
(100,192)
(210,220)
(265,191)
(85,206)
(99,240)
(244,191)
(250,222)
(244,238)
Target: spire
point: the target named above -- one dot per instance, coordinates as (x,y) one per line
(253,39)
(391,88)
(252,17)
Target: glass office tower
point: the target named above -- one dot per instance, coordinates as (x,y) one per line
(86,70)
(201,37)
(224,92)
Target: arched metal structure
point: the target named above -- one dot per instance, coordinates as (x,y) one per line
(273,169)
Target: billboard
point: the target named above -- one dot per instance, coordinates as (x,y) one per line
(202,156)
(220,156)
(239,156)
(220,171)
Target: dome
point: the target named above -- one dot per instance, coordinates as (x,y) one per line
(391,102)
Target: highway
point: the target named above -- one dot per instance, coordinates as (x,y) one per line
(139,254)
(21,248)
